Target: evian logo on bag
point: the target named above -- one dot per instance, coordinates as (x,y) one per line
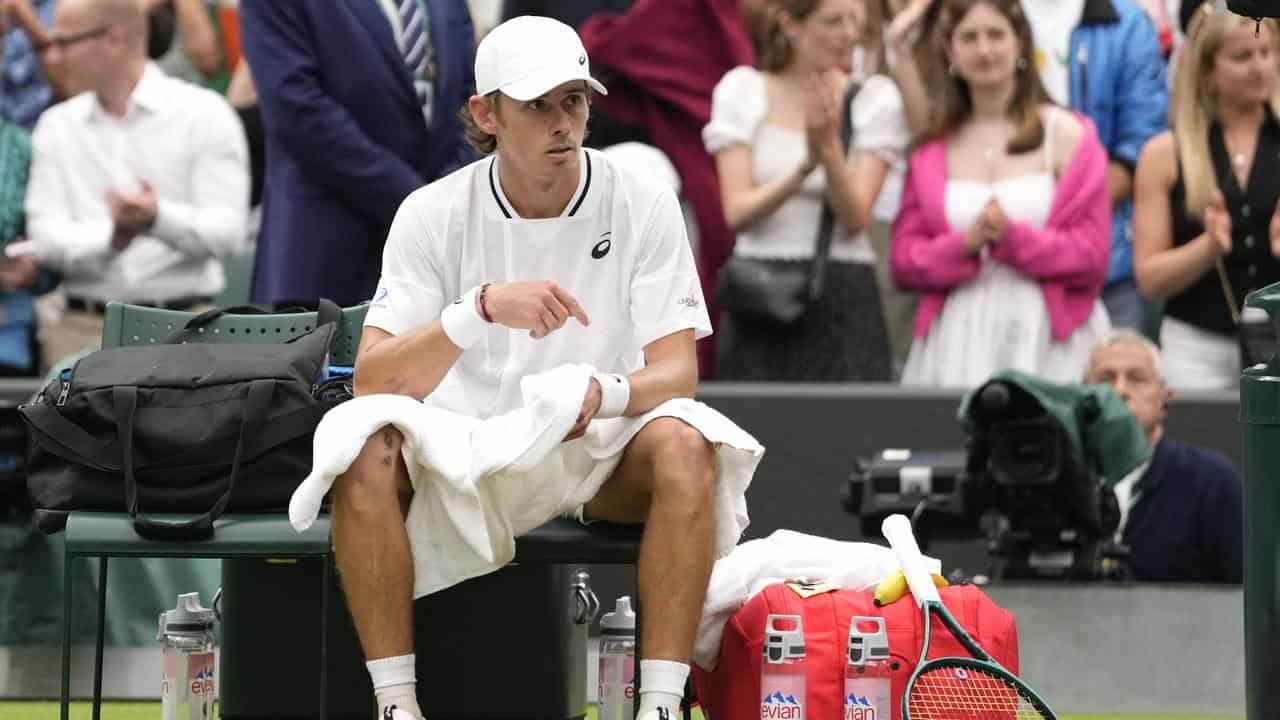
(780,707)
(857,707)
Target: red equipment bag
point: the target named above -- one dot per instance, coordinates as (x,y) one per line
(732,690)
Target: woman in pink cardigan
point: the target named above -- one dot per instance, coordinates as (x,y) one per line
(1005,220)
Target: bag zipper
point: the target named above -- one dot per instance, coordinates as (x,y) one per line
(66,388)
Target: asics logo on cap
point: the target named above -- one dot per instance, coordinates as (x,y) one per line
(602,248)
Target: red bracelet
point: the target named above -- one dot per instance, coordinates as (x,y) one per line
(484,311)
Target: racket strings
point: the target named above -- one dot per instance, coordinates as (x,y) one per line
(967,693)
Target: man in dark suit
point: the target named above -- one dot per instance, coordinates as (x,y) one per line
(360,102)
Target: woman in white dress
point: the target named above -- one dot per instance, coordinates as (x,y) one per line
(1004,226)
(775,133)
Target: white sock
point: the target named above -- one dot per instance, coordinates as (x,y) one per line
(395,682)
(662,685)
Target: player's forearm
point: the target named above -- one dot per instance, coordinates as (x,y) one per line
(659,382)
(412,364)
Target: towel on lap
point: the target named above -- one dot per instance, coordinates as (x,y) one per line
(480,484)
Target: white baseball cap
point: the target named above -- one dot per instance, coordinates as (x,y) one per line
(528,56)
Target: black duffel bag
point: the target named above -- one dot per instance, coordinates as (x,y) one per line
(197,428)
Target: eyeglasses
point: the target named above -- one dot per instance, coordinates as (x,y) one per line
(62,42)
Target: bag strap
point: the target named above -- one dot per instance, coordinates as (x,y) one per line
(54,426)
(201,526)
(327,311)
(822,255)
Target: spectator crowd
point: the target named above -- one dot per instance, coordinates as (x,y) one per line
(990,184)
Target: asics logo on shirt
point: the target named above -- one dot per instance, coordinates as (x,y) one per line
(602,248)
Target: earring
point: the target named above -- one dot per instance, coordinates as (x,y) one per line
(1022,64)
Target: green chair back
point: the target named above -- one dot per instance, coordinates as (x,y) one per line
(126,325)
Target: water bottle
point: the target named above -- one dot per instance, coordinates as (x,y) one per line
(618,662)
(867,674)
(186,636)
(782,669)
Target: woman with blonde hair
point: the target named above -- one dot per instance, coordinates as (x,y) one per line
(1206,230)
(1004,227)
(775,134)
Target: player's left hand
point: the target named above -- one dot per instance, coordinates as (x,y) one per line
(590,406)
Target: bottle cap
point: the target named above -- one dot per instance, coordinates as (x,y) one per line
(622,621)
(188,619)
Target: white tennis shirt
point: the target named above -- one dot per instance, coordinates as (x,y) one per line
(619,247)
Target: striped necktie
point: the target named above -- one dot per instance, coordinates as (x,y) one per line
(419,55)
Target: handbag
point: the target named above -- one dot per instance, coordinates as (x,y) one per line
(179,427)
(1255,337)
(778,293)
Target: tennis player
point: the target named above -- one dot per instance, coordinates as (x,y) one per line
(541,254)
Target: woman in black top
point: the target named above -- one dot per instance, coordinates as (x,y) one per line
(1205,226)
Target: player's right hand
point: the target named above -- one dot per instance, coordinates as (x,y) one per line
(540,307)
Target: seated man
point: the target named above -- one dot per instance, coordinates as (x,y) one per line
(139,183)
(541,255)
(1182,512)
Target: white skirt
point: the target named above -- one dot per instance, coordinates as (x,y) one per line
(1196,359)
(999,322)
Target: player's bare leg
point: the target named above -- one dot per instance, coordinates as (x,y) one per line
(667,480)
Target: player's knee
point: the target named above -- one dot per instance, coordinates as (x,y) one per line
(686,464)
(374,478)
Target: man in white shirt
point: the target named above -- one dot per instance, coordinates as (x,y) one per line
(541,255)
(139,182)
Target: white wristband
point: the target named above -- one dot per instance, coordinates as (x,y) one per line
(461,320)
(615,393)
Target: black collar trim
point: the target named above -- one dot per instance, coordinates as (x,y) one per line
(493,188)
(497,198)
(585,186)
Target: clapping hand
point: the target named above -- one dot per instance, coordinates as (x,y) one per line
(1217,224)
(988,228)
(132,214)
(1274,232)
(905,24)
(822,118)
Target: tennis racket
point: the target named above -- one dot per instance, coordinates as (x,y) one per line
(954,688)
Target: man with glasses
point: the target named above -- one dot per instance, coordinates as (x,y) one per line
(1181,513)
(139,182)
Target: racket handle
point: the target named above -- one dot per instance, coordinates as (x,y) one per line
(897,530)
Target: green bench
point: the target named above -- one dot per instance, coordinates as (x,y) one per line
(239,536)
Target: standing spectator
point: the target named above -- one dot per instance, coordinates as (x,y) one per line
(775,133)
(665,58)
(1101,58)
(360,102)
(1004,218)
(1208,231)
(139,183)
(28,84)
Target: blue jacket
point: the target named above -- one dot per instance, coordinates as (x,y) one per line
(1188,522)
(1117,77)
(346,140)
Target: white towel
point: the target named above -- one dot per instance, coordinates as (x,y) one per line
(784,555)
(479,484)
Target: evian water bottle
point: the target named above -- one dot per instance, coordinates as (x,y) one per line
(782,669)
(618,662)
(867,674)
(186,635)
